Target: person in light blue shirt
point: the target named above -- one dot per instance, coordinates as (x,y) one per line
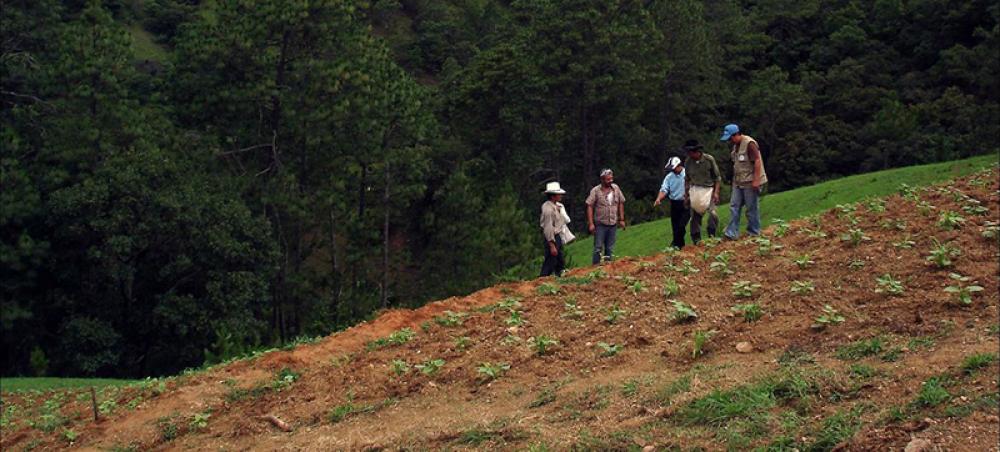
(673,189)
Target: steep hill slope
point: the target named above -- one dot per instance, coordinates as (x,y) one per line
(601,360)
(651,237)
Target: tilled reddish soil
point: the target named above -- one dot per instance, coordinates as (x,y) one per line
(341,394)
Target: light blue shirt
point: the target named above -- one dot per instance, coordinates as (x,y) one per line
(673,186)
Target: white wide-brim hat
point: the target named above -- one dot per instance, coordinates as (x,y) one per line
(552,188)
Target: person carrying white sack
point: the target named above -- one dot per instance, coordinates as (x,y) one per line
(701,189)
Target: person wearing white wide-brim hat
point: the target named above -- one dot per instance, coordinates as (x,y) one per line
(553,224)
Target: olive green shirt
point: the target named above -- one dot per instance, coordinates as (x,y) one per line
(704,172)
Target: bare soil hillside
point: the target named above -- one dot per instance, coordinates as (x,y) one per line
(836,332)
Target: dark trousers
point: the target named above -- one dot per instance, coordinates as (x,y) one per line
(713,223)
(678,222)
(553,265)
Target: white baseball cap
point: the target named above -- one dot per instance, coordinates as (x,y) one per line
(672,163)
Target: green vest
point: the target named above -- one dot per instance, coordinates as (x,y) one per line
(743,166)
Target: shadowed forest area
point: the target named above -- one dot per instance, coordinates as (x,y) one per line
(186,181)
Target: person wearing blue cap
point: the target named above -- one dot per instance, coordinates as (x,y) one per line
(748,179)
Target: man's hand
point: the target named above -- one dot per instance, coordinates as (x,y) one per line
(687,202)
(621,224)
(715,198)
(657,202)
(591,228)
(552,249)
(756,186)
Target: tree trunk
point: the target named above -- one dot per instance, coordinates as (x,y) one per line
(385,240)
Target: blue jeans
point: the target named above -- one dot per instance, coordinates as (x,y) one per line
(604,238)
(743,197)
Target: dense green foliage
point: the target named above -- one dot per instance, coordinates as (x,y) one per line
(185,180)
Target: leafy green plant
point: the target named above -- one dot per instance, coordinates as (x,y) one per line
(462,342)
(711,242)
(636,287)
(893,223)
(875,205)
(69,435)
(515,319)
(683,312)
(510,339)
(542,344)
(765,246)
(699,340)
(614,313)
(671,288)
(861,348)
(780,227)
(744,289)
(854,237)
(977,361)
(721,264)
(961,290)
(491,371)
(815,233)
(846,210)
(991,230)
(830,316)
(932,393)
(856,264)
(976,209)
(941,254)
(510,303)
(547,289)
(571,310)
(889,285)
(400,367)
(430,367)
(803,287)
(906,243)
(949,220)
(804,261)
(685,268)
(609,349)
(168,428)
(396,338)
(199,421)
(751,312)
(925,208)
(450,318)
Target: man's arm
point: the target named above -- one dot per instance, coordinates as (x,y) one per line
(758,164)
(659,198)
(718,182)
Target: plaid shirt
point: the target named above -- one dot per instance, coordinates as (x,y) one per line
(605,211)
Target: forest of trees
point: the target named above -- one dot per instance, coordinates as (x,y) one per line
(276,169)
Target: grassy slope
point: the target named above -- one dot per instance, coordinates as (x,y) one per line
(651,237)
(144,46)
(46,383)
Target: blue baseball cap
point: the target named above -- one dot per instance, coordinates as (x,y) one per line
(728,131)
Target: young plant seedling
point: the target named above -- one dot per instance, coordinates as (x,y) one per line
(396,338)
(803,287)
(875,205)
(856,264)
(430,367)
(671,288)
(846,210)
(636,287)
(450,319)
(609,349)
(804,261)
(925,208)
(744,289)
(462,343)
(515,319)
(991,230)
(854,237)
(542,344)
(699,341)
(906,243)
(509,303)
(400,367)
(780,227)
(765,246)
(547,289)
(571,310)
(614,313)
(490,371)
(830,316)
(889,285)
(816,233)
(893,223)
(961,291)
(685,268)
(941,254)
(721,264)
(711,242)
(683,312)
(751,312)
(950,221)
